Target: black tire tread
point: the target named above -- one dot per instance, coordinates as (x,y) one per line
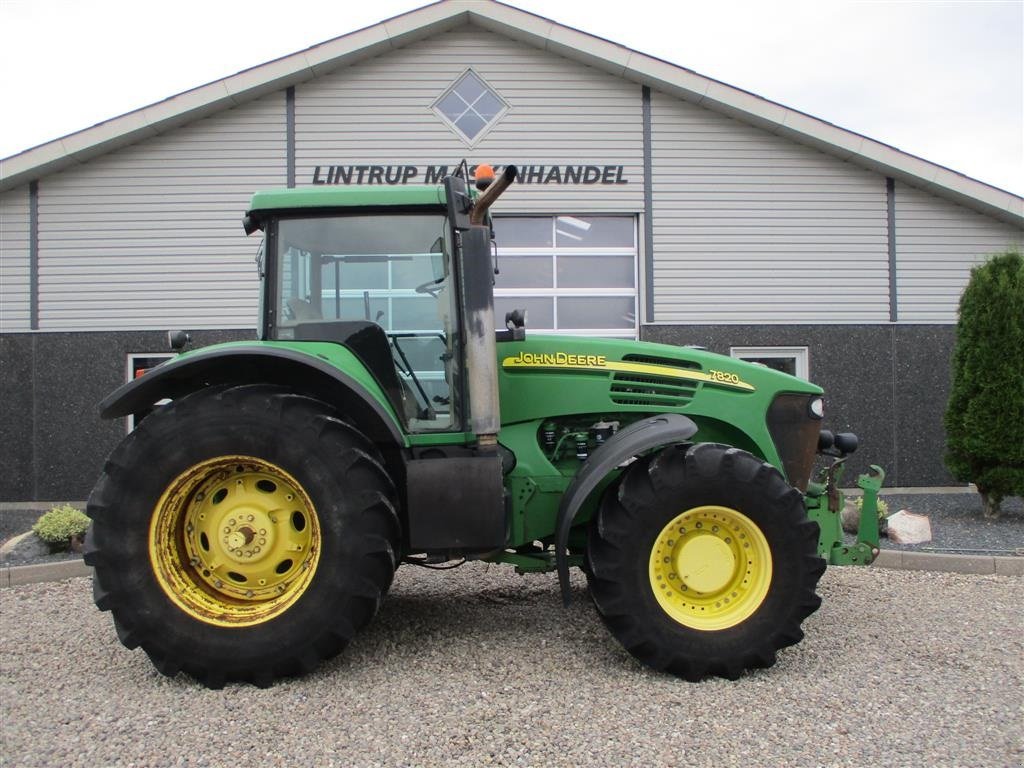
(652,491)
(369,514)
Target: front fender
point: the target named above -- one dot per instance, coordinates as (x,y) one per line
(637,438)
(251,363)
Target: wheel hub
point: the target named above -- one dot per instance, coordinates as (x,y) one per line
(705,563)
(247,534)
(234,540)
(710,568)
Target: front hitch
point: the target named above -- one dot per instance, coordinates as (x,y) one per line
(825,505)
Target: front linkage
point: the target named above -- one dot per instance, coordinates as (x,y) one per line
(825,504)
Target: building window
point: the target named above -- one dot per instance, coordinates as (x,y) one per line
(791,360)
(136,365)
(572,274)
(470,106)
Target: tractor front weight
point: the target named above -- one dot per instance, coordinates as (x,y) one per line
(825,504)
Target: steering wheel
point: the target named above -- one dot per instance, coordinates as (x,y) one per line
(432,287)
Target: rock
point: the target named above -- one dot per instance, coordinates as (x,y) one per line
(850,517)
(23,549)
(908,528)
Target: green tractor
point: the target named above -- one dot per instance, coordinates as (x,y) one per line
(254,519)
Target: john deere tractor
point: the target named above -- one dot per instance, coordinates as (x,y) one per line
(252,522)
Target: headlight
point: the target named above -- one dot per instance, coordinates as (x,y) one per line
(817,408)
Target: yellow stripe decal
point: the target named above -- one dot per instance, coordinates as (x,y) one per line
(566,361)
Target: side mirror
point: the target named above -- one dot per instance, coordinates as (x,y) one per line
(177,340)
(437,259)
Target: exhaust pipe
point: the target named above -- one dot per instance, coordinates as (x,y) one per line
(478,312)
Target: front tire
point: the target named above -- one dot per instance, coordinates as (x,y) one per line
(242,533)
(704,561)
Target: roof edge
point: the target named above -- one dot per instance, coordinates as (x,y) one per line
(532,29)
(233,90)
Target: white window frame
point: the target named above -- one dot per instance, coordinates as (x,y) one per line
(129,375)
(470,142)
(798,354)
(554,292)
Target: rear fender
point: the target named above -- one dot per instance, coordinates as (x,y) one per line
(249,364)
(640,437)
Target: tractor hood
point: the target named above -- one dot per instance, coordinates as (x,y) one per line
(621,375)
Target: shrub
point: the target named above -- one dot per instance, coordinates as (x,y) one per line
(985,415)
(60,525)
(882,505)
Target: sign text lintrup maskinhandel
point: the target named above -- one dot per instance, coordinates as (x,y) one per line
(432,174)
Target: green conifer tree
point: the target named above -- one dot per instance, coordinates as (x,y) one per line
(985,415)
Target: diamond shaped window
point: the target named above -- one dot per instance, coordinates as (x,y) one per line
(470,106)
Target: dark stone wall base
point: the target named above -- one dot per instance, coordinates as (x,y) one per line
(53,441)
(887,383)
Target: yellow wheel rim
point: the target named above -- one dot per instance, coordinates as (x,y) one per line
(710,568)
(234,541)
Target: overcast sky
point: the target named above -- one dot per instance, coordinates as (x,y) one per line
(941,80)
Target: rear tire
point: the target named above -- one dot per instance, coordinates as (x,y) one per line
(242,533)
(704,561)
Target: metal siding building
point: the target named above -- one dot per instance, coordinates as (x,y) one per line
(732,222)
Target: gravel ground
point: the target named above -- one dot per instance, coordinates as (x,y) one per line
(483,667)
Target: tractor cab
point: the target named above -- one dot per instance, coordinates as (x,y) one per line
(375,275)
(384,272)
(380,284)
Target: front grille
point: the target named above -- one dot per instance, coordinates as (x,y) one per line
(795,433)
(653,390)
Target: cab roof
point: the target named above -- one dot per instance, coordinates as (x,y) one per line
(375,196)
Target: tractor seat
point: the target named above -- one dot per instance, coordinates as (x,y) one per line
(369,342)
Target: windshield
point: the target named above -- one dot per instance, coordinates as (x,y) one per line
(337,275)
